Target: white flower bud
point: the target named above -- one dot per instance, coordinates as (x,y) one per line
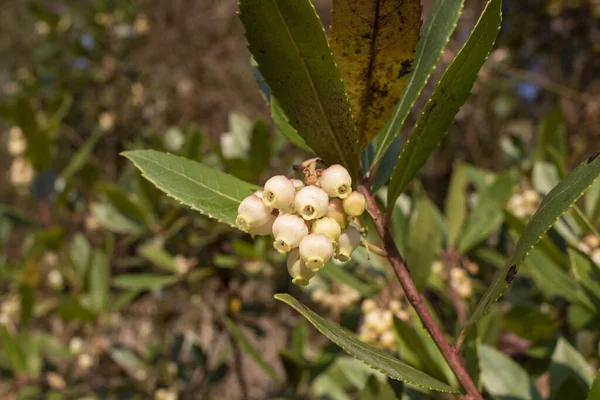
(368,305)
(347,243)
(279,192)
(388,340)
(263,230)
(252,213)
(354,204)
(17,144)
(531,197)
(288,230)
(311,202)
(298,184)
(596,257)
(336,181)
(584,247)
(592,241)
(258,194)
(316,250)
(300,274)
(328,227)
(335,210)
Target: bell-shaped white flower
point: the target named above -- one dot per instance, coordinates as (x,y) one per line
(252,213)
(296,266)
(335,210)
(328,227)
(263,230)
(288,231)
(311,202)
(316,250)
(347,243)
(354,204)
(279,192)
(336,181)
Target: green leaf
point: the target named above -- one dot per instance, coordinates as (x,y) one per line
(556,203)
(260,148)
(205,189)
(435,33)
(335,273)
(283,126)
(586,273)
(143,281)
(80,254)
(592,204)
(374,46)
(368,354)
(448,97)
(375,389)
(594,393)
(424,240)
(423,349)
(158,256)
(109,217)
(486,217)
(289,44)
(568,362)
(126,206)
(13,350)
(81,157)
(551,136)
(502,377)
(250,350)
(70,308)
(99,281)
(456,205)
(530,323)
(129,361)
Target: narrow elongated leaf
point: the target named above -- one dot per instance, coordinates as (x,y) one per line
(143,281)
(568,362)
(247,346)
(595,390)
(99,281)
(586,274)
(424,240)
(289,44)
(374,43)
(368,354)
(448,97)
(502,377)
(81,157)
(556,203)
(456,205)
(487,216)
(202,188)
(439,25)
(283,126)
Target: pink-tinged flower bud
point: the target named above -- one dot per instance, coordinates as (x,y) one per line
(296,266)
(335,210)
(354,204)
(298,184)
(316,250)
(347,243)
(288,230)
(252,213)
(328,227)
(336,181)
(279,192)
(311,202)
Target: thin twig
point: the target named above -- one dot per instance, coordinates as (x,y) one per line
(375,249)
(413,296)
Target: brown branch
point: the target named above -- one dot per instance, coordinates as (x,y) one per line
(413,296)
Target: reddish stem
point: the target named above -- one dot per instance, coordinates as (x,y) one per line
(413,296)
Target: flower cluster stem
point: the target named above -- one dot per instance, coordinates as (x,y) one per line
(412,294)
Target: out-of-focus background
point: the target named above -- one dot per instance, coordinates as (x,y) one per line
(108,289)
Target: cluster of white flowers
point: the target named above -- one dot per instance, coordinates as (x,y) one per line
(459,278)
(377,327)
(310,222)
(337,297)
(524,204)
(21,171)
(590,245)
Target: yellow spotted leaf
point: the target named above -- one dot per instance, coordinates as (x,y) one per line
(374,43)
